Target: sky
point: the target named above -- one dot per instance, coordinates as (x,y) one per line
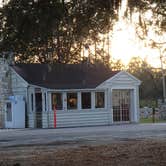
(126,43)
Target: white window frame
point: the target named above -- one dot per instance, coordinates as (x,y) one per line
(69,109)
(104,99)
(61,100)
(91,96)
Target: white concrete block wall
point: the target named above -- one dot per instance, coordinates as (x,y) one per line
(5,89)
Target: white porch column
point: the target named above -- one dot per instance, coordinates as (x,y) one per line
(136,106)
(109,106)
(31,108)
(49,102)
(44,110)
(79,101)
(43,101)
(132,105)
(93,100)
(136,102)
(64,98)
(50,112)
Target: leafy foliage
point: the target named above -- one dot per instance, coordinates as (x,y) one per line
(57,30)
(151,25)
(53,29)
(151,86)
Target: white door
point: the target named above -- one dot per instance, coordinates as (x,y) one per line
(121,105)
(15,114)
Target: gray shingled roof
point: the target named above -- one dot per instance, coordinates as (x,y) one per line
(64,76)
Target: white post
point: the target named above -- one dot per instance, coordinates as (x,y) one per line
(93,100)
(79,101)
(49,102)
(31,112)
(64,101)
(43,101)
(136,106)
(44,112)
(132,105)
(50,112)
(109,106)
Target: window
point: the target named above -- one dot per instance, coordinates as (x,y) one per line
(71,100)
(99,100)
(56,101)
(45,101)
(86,100)
(9,112)
(32,101)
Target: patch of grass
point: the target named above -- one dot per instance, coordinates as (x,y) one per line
(150,120)
(146,120)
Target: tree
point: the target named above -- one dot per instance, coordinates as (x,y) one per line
(52,30)
(116,65)
(150,28)
(151,21)
(57,30)
(151,86)
(28,26)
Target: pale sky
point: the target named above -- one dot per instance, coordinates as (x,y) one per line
(125,43)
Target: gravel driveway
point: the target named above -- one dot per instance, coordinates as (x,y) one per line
(80,135)
(120,145)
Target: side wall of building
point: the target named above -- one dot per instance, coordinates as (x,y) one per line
(19,86)
(11,84)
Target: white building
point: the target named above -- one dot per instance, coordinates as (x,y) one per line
(69,95)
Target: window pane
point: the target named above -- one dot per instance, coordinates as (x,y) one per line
(9,112)
(45,101)
(57,101)
(99,100)
(71,100)
(86,100)
(32,102)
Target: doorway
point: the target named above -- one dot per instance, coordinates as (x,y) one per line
(38,100)
(121,105)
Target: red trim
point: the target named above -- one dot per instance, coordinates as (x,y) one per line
(54,117)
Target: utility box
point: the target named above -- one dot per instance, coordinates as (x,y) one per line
(15,112)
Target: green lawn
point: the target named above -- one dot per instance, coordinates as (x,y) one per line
(150,120)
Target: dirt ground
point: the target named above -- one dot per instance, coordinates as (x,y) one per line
(123,153)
